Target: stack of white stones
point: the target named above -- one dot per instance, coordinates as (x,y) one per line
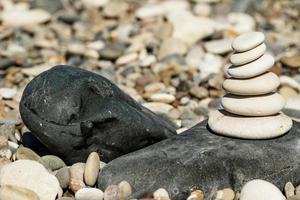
(252,106)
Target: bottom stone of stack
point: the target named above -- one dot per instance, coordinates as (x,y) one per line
(266,127)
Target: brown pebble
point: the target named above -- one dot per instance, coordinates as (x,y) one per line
(124,190)
(24,153)
(196,195)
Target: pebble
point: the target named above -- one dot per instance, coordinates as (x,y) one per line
(76,176)
(24,153)
(287,92)
(126,59)
(199,92)
(241,22)
(3,141)
(172,46)
(63,177)
(111,192)
(258,85)
(196,195)
(210,64)
(158,107)
(221,46)
(202,9)
(162,97)
(265,127)
(89,194)
(289,189)
(124,190)
(252,69)
(8,130)
(161,194)
(296,197)
(112,51)
(18,173)
(248,41)
(8,93)
(92,168)
(19,17)
(52,162)
(291,61)
(9,192)
(262,105)
(248,56)
(95,3)
(285,80)
(225,194)
(195,56)
(266,190)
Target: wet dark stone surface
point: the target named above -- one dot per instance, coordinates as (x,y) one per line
(74,112)
(200,159)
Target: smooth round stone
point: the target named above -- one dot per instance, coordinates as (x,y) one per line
(258,85)
(260,190)
(125,190)
(231,125)
(52,162)
(248,56)
(24,153)
(261,105)
(247,41)
(92,168)
(89,194)
(9,192)
(252,69)
(63,177)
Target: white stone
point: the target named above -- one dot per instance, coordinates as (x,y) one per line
(248,41)
(18,17)
(161,194)
(241,22)
(260,190)
(219,46)
(194,56)
(286,80)
(231,125)
(252,69)
(257,85)
(92,168)
(89,194)
(95,3)
(9,192)
(291,103)
(211,64)
(162,97)
(8,93)
(128,58)
(158,107)
(261,105)
(248,56)
(31,175)
(202,9)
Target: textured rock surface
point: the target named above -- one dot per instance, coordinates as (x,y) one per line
(74,112)
(200,159)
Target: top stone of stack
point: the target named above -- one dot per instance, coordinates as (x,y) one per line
(248,41)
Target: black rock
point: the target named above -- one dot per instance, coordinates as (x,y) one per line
(74,112)
(199,159)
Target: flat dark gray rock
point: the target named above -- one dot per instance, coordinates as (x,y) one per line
(74,112)
(202,160)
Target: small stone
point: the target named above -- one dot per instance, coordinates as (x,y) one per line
(196,195)
(267,191)
(92,168)
(52,162)
(124,190)
(111,192)
(123,60)
(262,105)
(211,64)
(154,87)
(219,46)
(4,161)
(225,194)
(297,190)
(24,153)
(194,56)
(63,177)
(248,56)
(9,192)
(258,85)
(252,69)
(199,92)
(202,9)
(241,22)
(288,81)
(287,92)
(3,141)
(162,97)
(296,197)
(89,194)
(248,41)
(289,189)
(18,17)
(30,175)
(8,130)
(172,46)
(158,107)
(95,3)
(161,194)
(112,51)
(76,176)
(232,125)
(292,61)
(8,93)
(48,5)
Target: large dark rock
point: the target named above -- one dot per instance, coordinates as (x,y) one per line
(200,159)
(73,112)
